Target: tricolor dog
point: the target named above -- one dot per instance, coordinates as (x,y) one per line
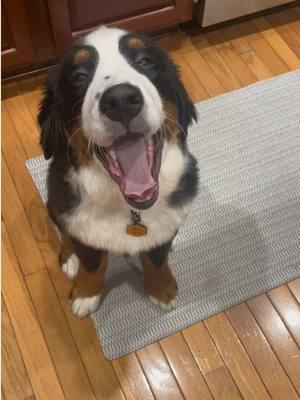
(114,121)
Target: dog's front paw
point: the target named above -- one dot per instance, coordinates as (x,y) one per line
(71,266)
(163,295)
(164,306)
(83,306)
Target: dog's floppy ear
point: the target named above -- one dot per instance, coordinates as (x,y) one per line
(50,120)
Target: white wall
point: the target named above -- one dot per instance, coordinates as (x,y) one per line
(216,11)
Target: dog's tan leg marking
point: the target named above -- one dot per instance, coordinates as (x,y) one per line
(87,289)
(159,283)
(66,249)
(68,260)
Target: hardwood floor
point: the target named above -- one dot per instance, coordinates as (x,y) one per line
(248,352)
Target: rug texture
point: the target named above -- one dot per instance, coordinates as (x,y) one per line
(243,236)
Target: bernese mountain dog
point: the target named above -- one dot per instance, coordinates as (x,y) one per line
(114,120)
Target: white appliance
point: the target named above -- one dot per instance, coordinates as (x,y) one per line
(216,11)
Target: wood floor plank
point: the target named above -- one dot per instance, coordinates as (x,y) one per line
(185,369)
(18,226)
(192,84)
(203,348)
(239,43)
(9,90)
(32,95)
(62,285)
(277,43)
(100,371)
(278,336)
(247,53)
(210,362)
(59,339)
(232,58)
(285,30)
(43,229)
(202,71)
(235,357)
(15,383)
(34,350)
(218,66)
(261,354)
(288,308)
(257,66)
(158,373)
(24,124)
(177,40)
(27,85)
(294,19)
(132,379)
(262,48)
(36,212)
(221,385)
(295,288)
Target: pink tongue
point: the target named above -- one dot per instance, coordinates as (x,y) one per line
(132,157)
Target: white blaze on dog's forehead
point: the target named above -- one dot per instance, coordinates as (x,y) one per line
(111,62)
(106,42)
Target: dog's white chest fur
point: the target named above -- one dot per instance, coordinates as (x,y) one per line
(102,216)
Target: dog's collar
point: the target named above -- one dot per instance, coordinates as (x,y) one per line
(136,228)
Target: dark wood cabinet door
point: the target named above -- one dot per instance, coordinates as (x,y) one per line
(73,18)
(16,47)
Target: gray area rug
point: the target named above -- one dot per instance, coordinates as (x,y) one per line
(243,236)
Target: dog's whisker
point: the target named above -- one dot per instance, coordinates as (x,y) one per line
(103,153)
(172,119)
(72,119)
(77,102)
(180,128)
(165,131)
(69,143)
(88,147)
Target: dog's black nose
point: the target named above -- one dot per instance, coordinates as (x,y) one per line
(121,102)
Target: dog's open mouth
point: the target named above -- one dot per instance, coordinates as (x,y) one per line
(134,163)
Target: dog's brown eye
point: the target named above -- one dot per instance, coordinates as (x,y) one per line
(145,61)
(79,77)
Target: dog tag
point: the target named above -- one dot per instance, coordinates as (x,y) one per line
(136,228)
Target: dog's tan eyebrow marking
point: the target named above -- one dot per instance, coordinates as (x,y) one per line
(136,43)
(81,55)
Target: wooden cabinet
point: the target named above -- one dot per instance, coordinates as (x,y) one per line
(38,31)
(73,18)
(16,46)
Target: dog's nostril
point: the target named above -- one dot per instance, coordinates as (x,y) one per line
(121,102)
